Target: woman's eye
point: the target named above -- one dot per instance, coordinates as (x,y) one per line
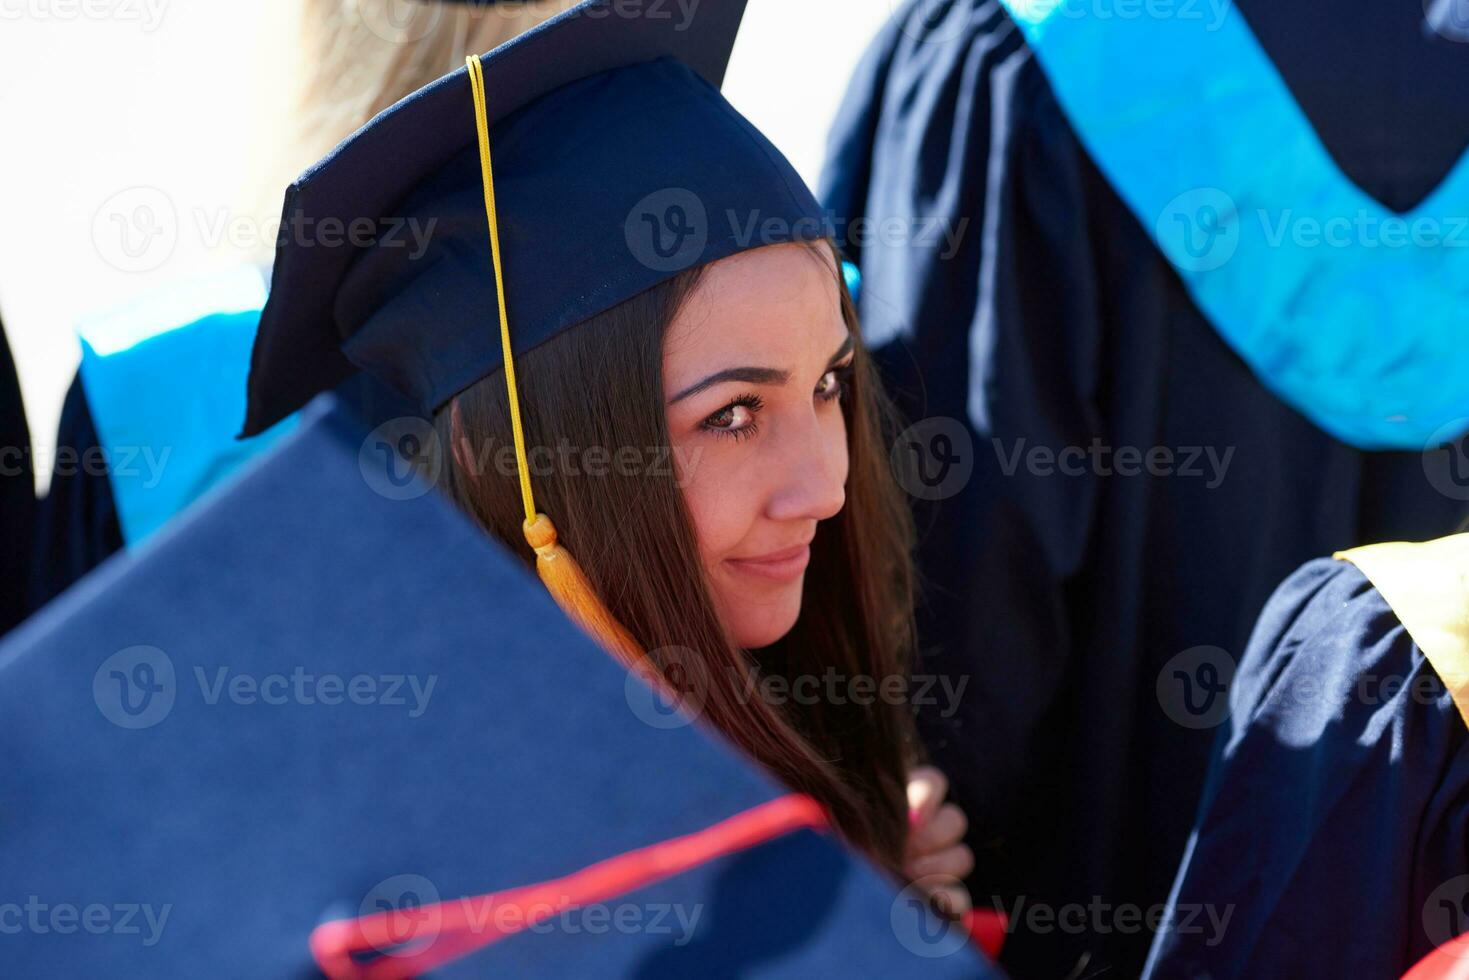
(736,419)
(832,385)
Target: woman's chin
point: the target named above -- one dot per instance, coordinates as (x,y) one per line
(752,625)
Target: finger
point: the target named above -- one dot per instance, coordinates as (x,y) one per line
(953,862)
(951,901)
(927,788)
(947,828)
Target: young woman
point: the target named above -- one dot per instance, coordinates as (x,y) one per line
(657,324)
(772,543)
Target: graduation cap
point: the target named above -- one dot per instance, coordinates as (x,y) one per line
(322,719)
(574,167)
(616,164)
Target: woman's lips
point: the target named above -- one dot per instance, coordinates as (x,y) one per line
(777,566)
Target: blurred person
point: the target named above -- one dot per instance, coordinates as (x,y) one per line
(1341,782)
(17,493)
(161,383)
(1175,289)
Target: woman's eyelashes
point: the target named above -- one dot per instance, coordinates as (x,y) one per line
(737,420)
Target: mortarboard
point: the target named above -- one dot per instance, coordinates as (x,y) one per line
(618,164)
(322,713)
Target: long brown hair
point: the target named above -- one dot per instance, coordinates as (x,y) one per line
(595,394)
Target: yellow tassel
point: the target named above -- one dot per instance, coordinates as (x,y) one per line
(562,576)
(569,586)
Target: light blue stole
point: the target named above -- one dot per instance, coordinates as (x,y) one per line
(1356,316)
(165,384)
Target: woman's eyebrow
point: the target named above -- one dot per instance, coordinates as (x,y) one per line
(753,375)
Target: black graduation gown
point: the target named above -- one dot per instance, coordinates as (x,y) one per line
(78,526)
(17,494)
(1333,836)
(1065,599)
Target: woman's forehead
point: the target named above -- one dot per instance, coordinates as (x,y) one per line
(778,300)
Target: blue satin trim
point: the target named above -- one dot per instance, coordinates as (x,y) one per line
(853,277)
(1356,316)
(165,384)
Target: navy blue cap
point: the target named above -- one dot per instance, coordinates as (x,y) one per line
(617,163)
(323,694)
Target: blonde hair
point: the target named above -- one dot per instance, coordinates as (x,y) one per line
(351,60)
(361,56)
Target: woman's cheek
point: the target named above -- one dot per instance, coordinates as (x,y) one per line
(716,506)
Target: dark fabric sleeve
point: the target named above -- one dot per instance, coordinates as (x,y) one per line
(17,493)
(984,320)
(1331,839)
(77,526)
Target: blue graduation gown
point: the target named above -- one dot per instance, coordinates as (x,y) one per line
(1052,324)
(1333,836)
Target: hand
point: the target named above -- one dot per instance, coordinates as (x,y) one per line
(937,859)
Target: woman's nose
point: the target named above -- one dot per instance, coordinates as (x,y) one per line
(812,480)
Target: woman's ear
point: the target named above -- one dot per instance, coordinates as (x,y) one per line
(463,451)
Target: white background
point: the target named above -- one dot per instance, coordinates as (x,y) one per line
(98,97)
